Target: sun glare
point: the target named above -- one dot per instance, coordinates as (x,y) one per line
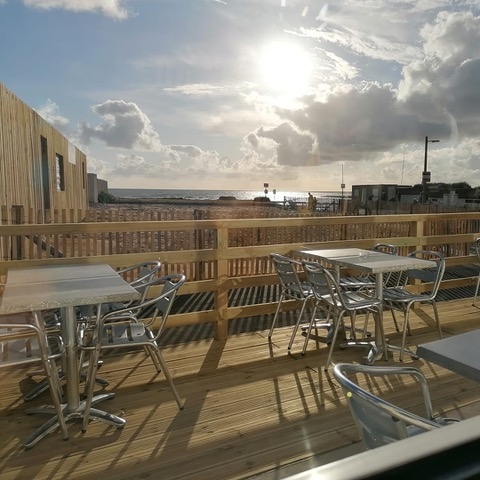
(285,68)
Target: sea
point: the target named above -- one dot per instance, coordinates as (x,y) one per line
(274,195)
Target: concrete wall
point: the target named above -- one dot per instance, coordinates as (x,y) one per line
(95,186)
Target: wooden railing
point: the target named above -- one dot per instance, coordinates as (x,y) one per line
(220,255)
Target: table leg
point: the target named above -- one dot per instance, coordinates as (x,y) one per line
(69,333)
(379,330)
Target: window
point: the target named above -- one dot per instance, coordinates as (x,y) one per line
(60,173)
(45,175)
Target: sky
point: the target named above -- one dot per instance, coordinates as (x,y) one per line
(232,94)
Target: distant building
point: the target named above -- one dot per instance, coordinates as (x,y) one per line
(95,186)
(403,194)
(368,193)
(39,167)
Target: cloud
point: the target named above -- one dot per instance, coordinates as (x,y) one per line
(50,112)
(110,8)
(171,164)
(189,150)
(192,160)
(445,80)
(293,146)
(199,89)
(132,165)
(124,126)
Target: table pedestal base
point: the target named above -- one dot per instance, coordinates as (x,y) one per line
(43,386)
(375,351)
(52,424)
(394,348)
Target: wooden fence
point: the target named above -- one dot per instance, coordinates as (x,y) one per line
(221,255)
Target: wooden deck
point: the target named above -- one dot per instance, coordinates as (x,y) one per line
(249,409)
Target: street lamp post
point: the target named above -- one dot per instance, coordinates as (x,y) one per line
(426,173)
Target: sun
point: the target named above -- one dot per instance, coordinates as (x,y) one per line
(285,68)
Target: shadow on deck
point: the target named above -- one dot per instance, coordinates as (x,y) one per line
(271,293)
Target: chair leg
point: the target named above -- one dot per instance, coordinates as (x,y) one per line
(159,358)
(395,322)
(437,319)
(373,351)
(297,324)
(365,325)
(309,329)
(338,321)
(404,333)
(327,324)
(353,331)
(476,290)
(277,311)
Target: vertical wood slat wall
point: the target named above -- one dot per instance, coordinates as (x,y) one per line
(21,164)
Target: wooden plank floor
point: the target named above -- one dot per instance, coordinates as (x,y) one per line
(249,408)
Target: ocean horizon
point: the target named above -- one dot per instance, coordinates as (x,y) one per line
(192,194)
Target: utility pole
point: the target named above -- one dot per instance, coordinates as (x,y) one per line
(426,178)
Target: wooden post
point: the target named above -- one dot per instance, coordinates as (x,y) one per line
(17,245)
(199,242)
(221,293)
(419,231)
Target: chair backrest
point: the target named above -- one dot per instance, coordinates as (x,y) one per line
(380,422)
(145,271)
(325,287)
(142,274)
(476,248)
(287,271)
(321,280)
(433,275)
(389,279)
(152,308)
(386,248)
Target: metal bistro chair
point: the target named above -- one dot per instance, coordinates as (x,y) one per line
(476,249)
(338,302)
(380,422)
(292,288)
(132,327)
(400,299)
(23,341)
(366,281)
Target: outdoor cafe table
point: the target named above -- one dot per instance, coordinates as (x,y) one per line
(66,287)
(372,262)
(459,353)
